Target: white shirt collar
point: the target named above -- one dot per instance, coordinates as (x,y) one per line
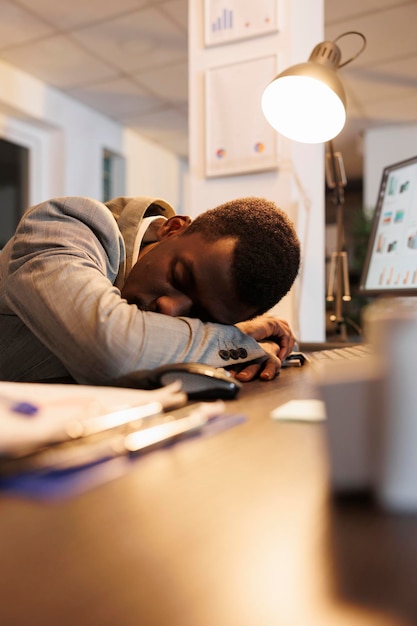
(141,232)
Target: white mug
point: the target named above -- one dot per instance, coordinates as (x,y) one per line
(391,328)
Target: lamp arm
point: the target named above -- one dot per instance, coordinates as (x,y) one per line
(335,173)
(355,56)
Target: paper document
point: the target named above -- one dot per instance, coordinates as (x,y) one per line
(300,411)
(34,414)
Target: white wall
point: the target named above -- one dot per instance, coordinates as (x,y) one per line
(297,186)
(382,147)
(153,171)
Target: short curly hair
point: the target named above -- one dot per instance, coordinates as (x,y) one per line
(267,253)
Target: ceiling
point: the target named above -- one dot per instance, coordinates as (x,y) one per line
(130,63)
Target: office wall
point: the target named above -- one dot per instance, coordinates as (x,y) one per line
(154,171)
(66,141)
(297,185)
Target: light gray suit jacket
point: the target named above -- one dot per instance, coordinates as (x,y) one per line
(61,312)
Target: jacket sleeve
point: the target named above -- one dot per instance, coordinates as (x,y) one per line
(60,285)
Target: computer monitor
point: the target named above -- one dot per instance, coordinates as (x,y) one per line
(390,266)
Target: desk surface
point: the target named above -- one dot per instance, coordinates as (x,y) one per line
(236,529)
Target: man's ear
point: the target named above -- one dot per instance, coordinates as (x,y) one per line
(173,226)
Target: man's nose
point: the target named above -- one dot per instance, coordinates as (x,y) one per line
(174,306)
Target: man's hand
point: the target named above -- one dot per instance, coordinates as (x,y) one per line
(275,337)
(273,329)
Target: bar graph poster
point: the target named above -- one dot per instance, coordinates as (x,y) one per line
(238,138)
(228,20)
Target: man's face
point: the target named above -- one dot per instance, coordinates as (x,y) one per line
(186,276)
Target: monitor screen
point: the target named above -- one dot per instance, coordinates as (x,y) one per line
(391,260)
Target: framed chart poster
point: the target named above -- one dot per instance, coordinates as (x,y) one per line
(229,20)
(238,138)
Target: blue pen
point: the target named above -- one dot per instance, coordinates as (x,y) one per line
(22,407)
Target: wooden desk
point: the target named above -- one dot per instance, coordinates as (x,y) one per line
(230,530)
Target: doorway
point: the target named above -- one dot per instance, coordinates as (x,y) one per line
(14,189)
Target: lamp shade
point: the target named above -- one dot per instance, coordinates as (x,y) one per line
(307,102)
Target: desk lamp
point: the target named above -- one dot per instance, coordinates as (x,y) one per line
(307,103)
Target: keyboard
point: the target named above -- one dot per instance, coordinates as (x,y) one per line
(350,352)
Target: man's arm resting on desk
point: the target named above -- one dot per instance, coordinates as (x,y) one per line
(276,338)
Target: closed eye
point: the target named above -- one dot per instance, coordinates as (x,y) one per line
(182,279)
